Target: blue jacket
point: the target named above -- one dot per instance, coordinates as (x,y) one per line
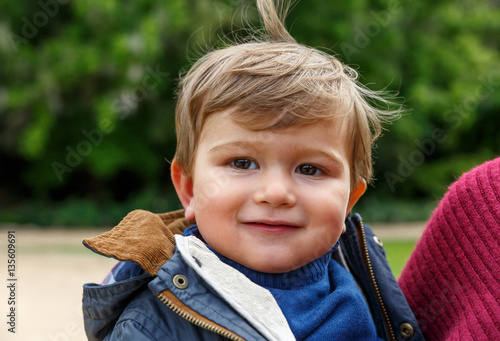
(171,287)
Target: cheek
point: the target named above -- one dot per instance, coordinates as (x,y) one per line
(211,185)
(330,211)
(333,197)
(214,200)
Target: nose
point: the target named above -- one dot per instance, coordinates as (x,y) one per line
(275,190)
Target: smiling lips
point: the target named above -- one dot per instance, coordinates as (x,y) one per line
(273,226)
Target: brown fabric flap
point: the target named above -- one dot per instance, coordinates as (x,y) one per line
(143,237)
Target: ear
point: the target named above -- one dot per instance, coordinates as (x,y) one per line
(184,188)
(356,193)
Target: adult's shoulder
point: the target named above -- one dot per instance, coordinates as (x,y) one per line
(452,280)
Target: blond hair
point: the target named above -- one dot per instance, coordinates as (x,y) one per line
(273,82)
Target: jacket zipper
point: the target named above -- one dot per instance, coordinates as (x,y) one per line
(202,324)
(373,280)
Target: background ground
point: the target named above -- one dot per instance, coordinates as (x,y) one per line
(52,265)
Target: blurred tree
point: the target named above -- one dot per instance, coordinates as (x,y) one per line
(87,90)
(87,93)
(443,59)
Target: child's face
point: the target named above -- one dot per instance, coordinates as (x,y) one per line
(274,200)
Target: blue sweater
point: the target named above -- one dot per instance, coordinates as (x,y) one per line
(319,300)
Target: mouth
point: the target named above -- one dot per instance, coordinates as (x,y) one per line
(272,226)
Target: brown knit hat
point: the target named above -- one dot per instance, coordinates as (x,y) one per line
(452,280)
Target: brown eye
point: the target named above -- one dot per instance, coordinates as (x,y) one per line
(244,164)
(308,170)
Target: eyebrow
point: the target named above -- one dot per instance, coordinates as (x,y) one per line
(230,145)
(332,156)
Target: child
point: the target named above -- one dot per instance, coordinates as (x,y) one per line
(273,151)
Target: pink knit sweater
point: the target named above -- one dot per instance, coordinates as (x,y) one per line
(452,280)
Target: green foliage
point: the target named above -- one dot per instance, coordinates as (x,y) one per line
(82,212)
(87,92)
(373,209)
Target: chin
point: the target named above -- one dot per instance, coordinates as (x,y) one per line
(275,268)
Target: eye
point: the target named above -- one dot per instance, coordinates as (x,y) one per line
(244,164)
(309,170)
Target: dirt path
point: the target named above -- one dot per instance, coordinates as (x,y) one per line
(51,268)
(52,265)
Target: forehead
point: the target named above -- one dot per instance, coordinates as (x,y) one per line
(222,129)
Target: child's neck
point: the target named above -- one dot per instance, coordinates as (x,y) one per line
(305,275)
